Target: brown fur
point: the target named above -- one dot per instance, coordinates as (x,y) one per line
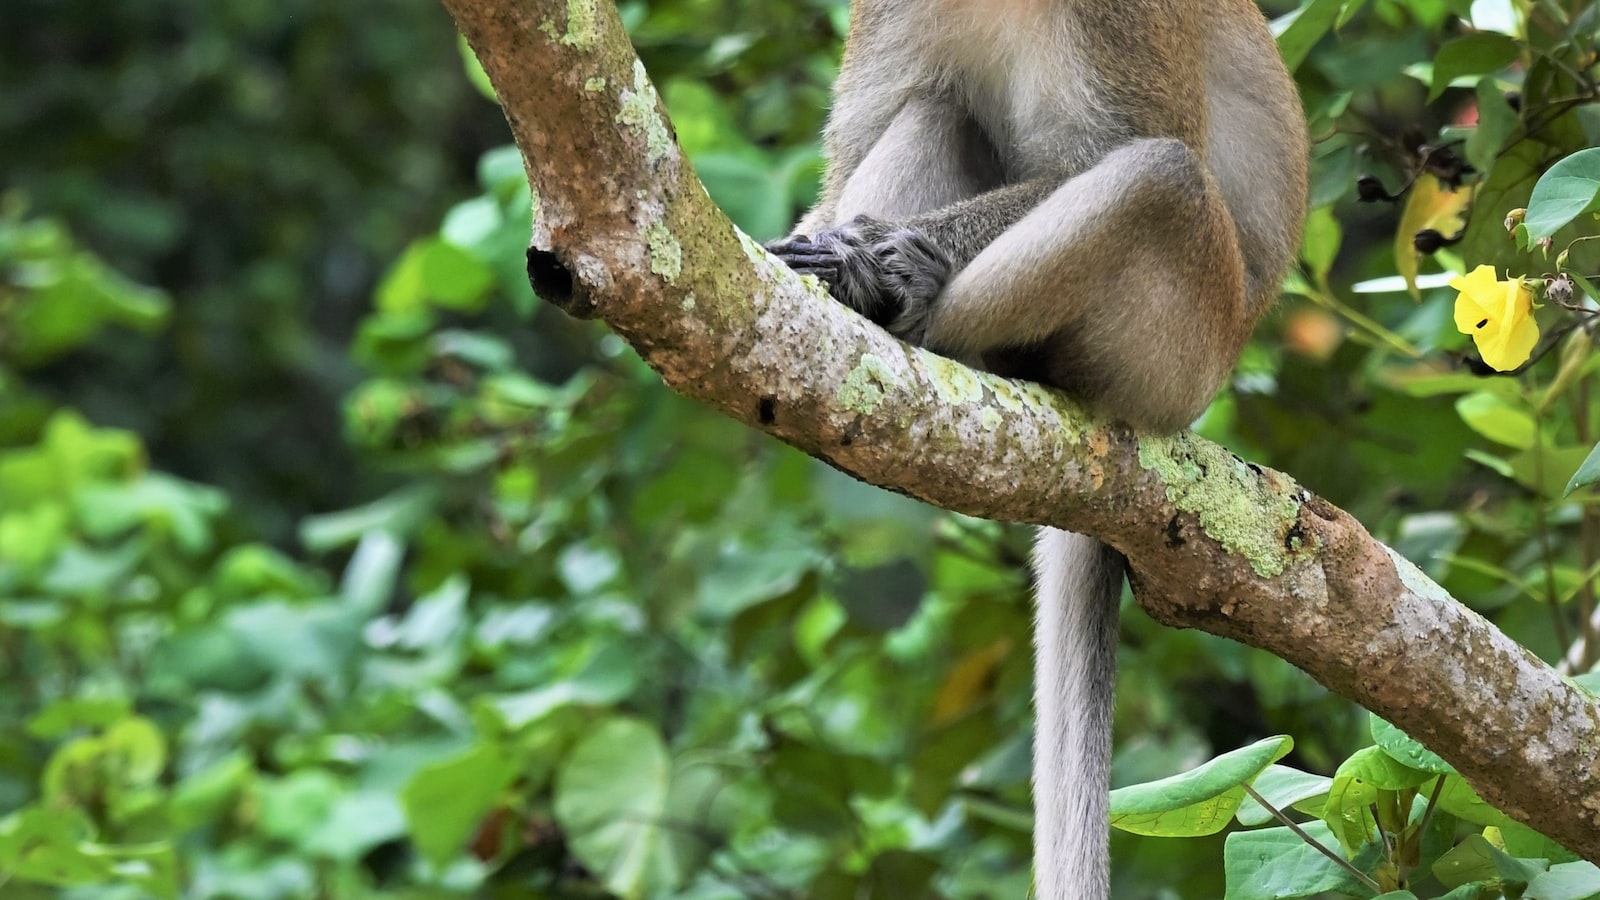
(1101,195)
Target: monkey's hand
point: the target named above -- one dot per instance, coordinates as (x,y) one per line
(887,273)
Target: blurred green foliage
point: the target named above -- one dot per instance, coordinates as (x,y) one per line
(339,566)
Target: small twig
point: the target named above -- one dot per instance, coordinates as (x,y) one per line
(1348,866)
(1433,803)
(1383,834)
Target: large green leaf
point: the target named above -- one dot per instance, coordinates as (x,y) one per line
(1285,789)
(1477,860)
(1569,189)
(1197,802)
(611,797)
(1566,881)
(1300,30)
(445,801)
(1478,53)
(1356,786)
(1276,864)
(1404,749)
(1498,420)
(1588,472)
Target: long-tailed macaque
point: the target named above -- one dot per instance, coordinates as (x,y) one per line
(1101,195)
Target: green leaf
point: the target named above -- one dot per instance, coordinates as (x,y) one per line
(207,795)
(474,70)
(611,801)
(1475,890)
(290,807)
(1505,188)
(311,641)
(608,674)
(1566,881)
(753,195)
(742,576)
(588,566)
(1285,788)
(56,847)
(1523,842)
(1275,864)
(397,513)
(1475,859)
(433,270)
(446,800)
(1196,802)
(68,714)
(500,171)
(70,454)
(436,618)
(1460,800)
(1588,472)
(1478,53)
(1497,420)
(1540,468)
(1569,189)
(159,503)
(1320,244)
(1404,749)
(1497,123)
(59,297)
(1356,786)
(357,822)
(138,748)
(1300,30)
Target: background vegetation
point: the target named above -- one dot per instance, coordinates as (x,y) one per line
(333,564)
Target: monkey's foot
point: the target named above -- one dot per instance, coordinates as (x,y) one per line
(890,275)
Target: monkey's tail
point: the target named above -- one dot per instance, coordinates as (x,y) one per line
(1079,583)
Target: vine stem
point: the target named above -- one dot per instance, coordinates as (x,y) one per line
(1343,863)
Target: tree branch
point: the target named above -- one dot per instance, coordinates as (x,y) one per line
(623,230)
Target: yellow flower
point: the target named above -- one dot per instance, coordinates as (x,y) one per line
(1498,315)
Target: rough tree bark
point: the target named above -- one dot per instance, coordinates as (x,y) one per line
(623,230)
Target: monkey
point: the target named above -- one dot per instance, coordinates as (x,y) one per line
(1102,196)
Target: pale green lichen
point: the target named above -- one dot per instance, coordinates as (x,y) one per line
(1035,395)
(1244,513)
(953,382)
(581,31)
(548,27)
(595,84)
(751,247)
(666,254)
(688,302)
(990,418)
(1415,580)
(1006,396)
(638,113)
(867,384)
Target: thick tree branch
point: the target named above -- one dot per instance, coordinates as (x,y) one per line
(623,230)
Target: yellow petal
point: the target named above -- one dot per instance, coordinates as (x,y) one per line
(1478,280)
(1512,347)
(1472,314)
(1515,302)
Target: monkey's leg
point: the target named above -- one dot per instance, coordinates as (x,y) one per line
(1126,281)
(931,156)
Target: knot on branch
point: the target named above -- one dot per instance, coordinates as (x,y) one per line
(552,282)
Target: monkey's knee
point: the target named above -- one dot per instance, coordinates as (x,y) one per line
(1164,183)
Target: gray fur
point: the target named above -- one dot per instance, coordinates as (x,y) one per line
(1102,195)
